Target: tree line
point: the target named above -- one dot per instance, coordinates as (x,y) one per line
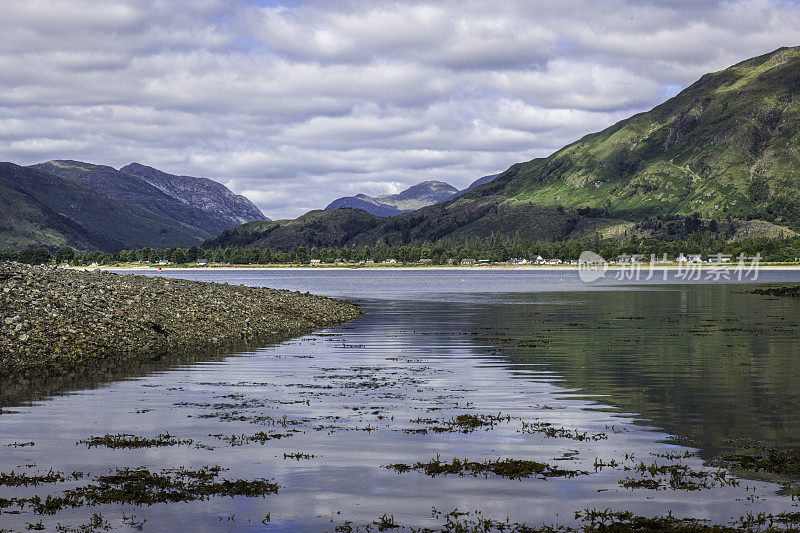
(495,249)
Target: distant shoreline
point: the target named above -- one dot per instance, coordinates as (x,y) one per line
(482,268)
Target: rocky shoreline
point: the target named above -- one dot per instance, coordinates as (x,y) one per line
(56,321)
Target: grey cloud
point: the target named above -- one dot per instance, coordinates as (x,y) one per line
(297,106)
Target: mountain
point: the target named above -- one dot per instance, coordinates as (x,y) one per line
(726,147)
(457,220)
(477,183)
(202,193)
(134,191)
(388,205)
(419,195)
(334,228)
(96,207)
(366,203)
(38,208)
(415,197)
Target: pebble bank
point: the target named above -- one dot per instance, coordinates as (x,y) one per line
(54,321)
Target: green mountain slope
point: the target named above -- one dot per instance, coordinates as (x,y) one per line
(25,221)
(333,228)
(727,146)
(459,220)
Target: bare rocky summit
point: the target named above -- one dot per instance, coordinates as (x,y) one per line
(202,193)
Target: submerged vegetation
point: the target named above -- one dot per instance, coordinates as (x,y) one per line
(589,520)
(260,437)
(463,423)
(549,430)
(509,468)
(137,486)
(13,479)
(124,440)
(792,291)
(656,476)
(766,459)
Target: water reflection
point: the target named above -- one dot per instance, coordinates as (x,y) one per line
(15,391)
(714,361)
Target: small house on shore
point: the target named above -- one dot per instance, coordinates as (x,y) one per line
(467,261)
(202,262)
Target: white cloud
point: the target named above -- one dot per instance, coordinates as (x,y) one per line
(295,106)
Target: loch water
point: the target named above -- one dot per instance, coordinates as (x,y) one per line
(468,364)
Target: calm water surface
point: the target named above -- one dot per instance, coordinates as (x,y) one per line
(630,366)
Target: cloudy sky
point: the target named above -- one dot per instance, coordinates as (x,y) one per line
(297,103)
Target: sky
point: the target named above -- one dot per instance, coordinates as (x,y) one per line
(295,104)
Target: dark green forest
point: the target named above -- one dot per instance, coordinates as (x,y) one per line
(495,249)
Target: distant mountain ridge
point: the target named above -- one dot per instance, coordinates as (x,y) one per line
(477,183)
(96,207)
(365,203)
(415,197)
